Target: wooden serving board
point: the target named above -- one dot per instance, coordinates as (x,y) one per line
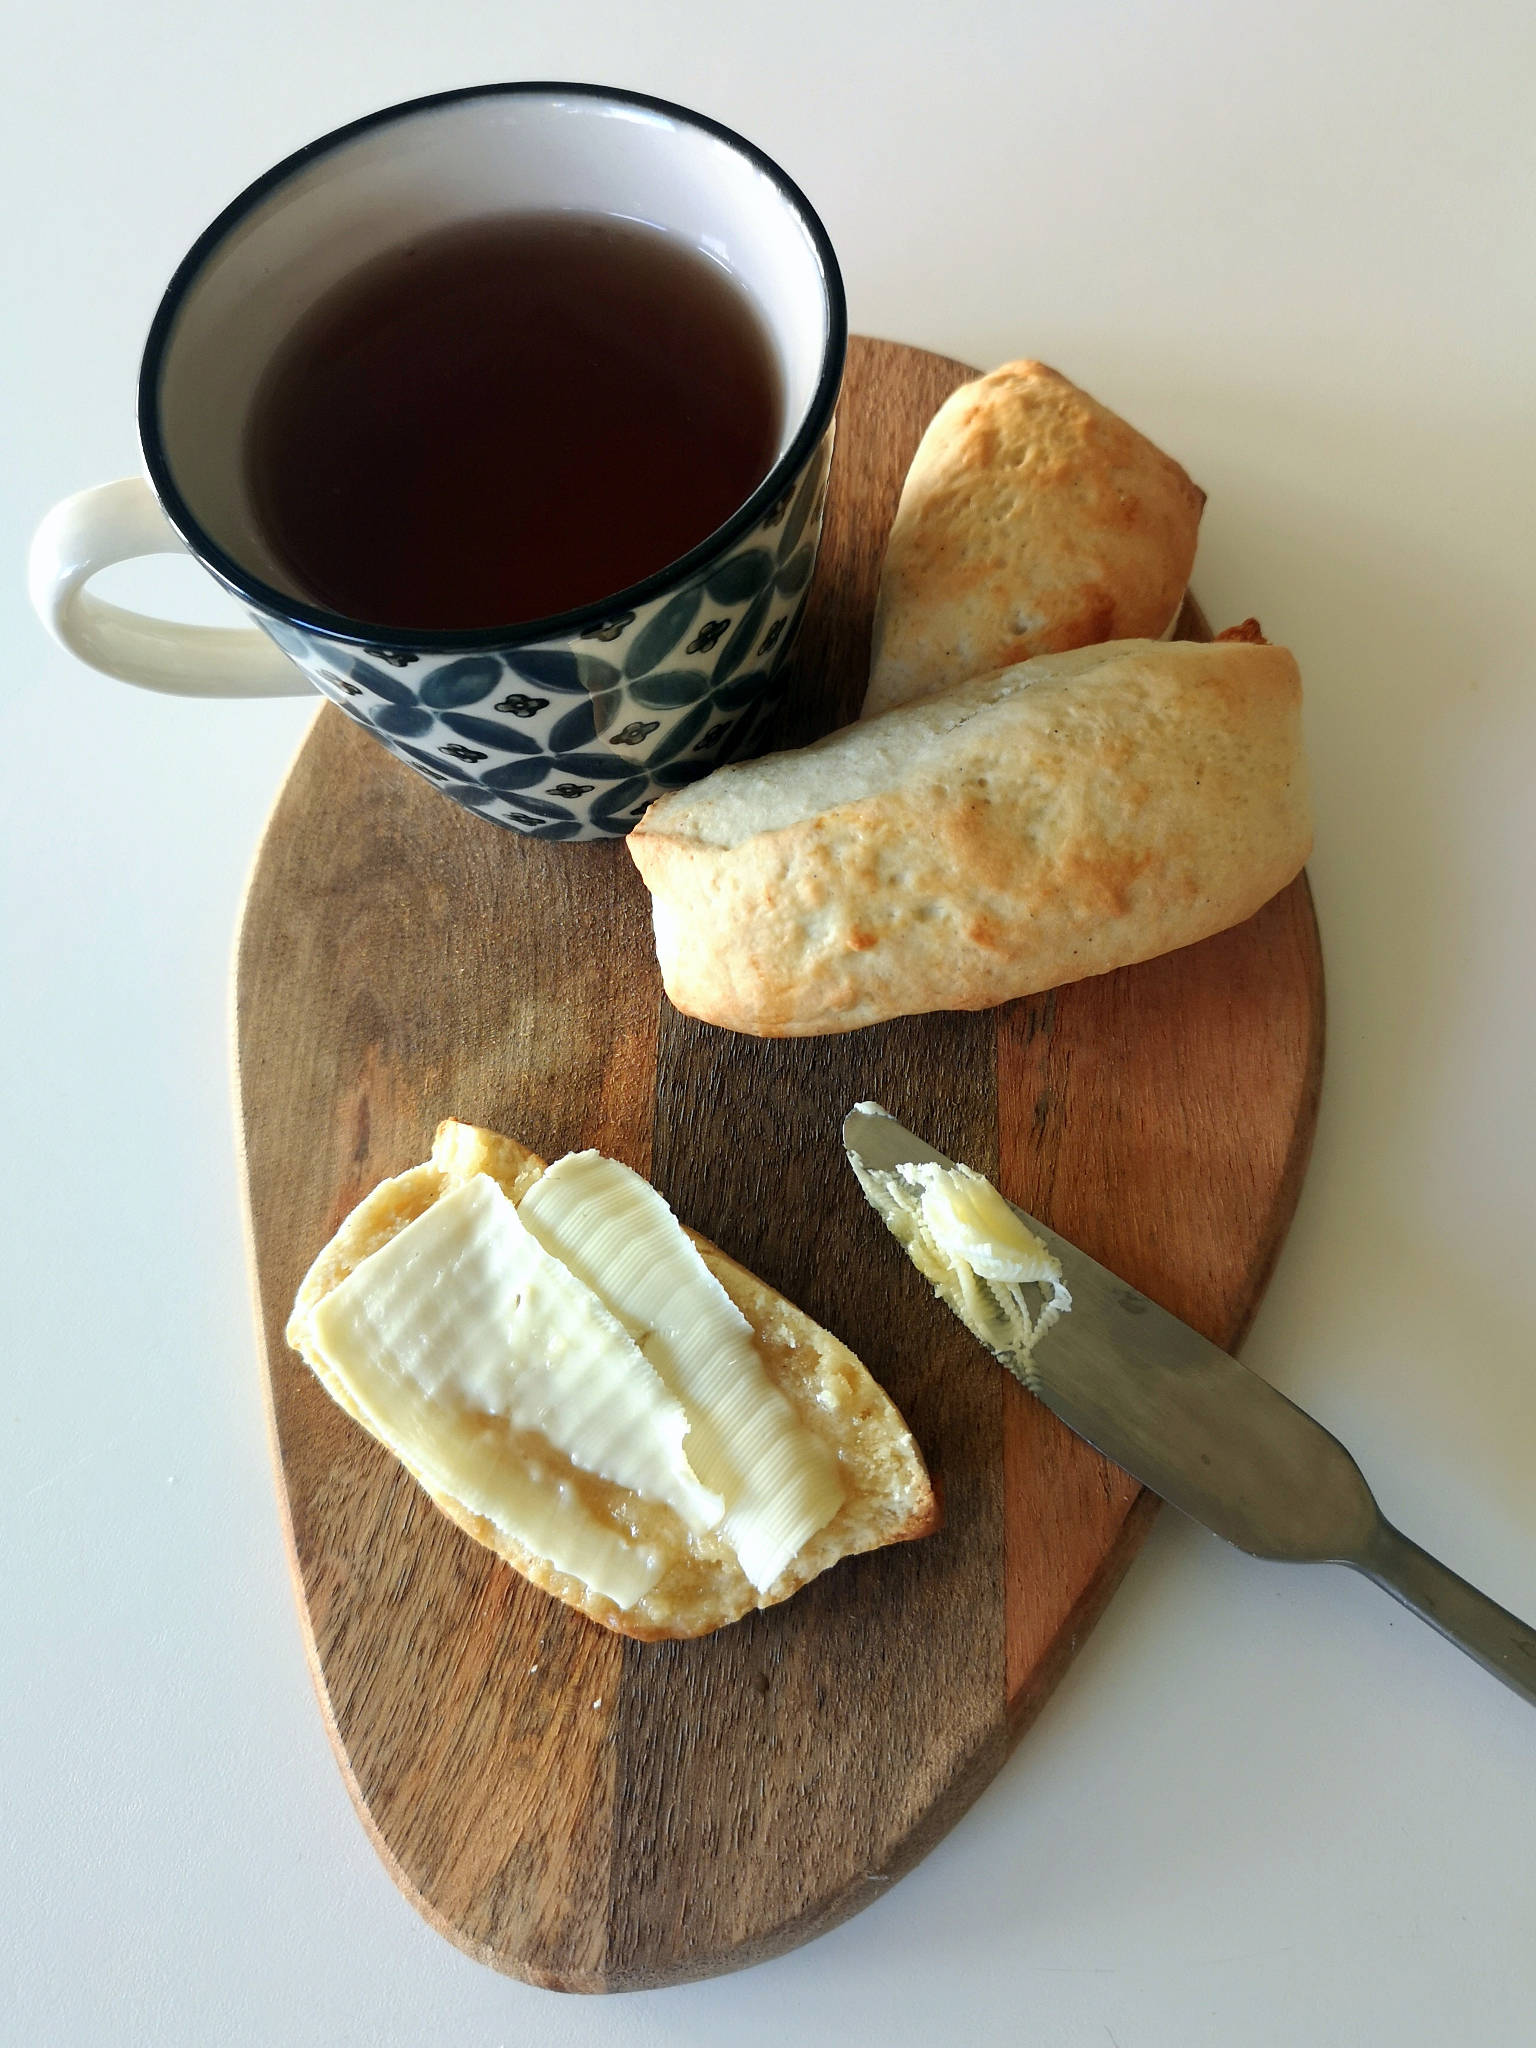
(594,1814)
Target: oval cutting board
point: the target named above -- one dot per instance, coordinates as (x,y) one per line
(593,1814)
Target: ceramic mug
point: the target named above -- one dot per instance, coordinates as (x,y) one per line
(565,727)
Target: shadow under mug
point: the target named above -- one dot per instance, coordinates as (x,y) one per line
(565,727)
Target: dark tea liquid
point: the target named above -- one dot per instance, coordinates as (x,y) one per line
(510,418)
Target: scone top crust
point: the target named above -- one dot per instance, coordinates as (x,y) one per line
(1073,814)
(1033,520)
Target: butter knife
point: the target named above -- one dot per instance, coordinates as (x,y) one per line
(1221,1444)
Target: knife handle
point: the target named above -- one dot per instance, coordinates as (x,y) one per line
(1497,1639)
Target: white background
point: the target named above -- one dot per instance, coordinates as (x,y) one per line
(1295,243)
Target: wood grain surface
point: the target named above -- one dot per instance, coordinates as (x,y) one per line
(594,1814)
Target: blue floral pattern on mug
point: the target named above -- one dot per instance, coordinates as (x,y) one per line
(574,737)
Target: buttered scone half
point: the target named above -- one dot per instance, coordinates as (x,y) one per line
(600,1396)
(1033,520)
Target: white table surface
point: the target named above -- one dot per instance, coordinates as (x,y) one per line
(1296,244)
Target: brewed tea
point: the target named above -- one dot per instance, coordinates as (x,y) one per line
(510,418)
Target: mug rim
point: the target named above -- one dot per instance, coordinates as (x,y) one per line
(265,597)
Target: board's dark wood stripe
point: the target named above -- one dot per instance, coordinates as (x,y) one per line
(785,1743)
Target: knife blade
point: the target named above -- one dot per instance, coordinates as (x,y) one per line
(1211,1437)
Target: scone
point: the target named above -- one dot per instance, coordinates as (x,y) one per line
(1072,814)
(618,1410)
(1033,520)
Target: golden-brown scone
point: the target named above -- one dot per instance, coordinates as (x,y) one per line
(1069,815)
(888,1497)
(1032,520)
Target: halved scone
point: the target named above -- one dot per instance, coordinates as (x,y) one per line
(375,1321)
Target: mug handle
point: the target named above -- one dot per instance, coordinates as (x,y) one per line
(115,523)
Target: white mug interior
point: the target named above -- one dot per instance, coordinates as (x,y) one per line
(434,165)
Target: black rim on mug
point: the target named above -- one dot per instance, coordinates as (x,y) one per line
(335,625)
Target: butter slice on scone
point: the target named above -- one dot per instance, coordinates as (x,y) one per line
(1033,520)
(619,1411)
(1072,814)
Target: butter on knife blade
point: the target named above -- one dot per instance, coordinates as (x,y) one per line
(1158,1398)
(972,1246)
